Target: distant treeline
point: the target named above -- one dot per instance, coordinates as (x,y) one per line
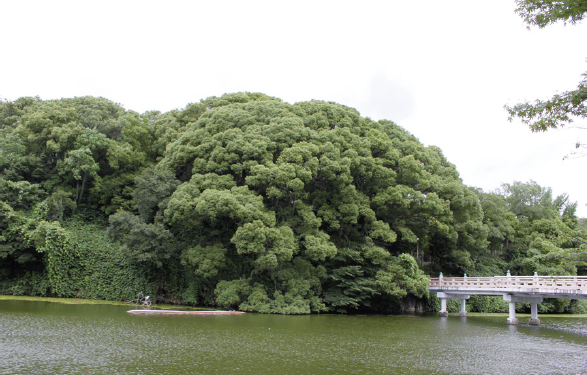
(244,201)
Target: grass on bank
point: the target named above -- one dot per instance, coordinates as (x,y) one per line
(81,301)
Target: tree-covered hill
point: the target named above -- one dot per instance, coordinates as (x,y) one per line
(241,201)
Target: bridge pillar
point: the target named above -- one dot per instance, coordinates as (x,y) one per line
(534,321)
(534,301)
(444,296)
(443,311)
(512,318)
(463,311)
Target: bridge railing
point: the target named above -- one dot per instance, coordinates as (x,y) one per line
(522,282)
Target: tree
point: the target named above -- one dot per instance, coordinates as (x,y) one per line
(528,200)
(81,164)
(242,201)
(272,192)
(77,145)
(147,243)
(530,230)
(542,13)
(14,251)
(562,109)
(547,239)
(499,219)
(152,192)
(559,111)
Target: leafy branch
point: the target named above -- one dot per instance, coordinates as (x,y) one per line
(542,13)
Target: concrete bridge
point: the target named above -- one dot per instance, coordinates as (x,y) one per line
(532,289)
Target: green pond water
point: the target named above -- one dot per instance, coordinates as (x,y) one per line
(53,338)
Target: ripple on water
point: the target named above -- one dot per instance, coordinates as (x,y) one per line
(115,342)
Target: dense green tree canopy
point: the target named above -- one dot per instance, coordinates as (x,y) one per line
(268,184)
(531,230)
(244,201)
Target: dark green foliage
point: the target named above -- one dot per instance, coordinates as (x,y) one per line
(349,287)
(62,257)
(207,260)
(530,230)
(80,262)
(15,252)
(21,195)
(244,201)
(487,304)
(108,272)
(577,306)
(145,243)
(273,183)
(232,293)
(153,188)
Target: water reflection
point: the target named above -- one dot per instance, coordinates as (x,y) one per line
(66,339)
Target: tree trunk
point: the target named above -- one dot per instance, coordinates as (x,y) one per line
(81,194)
(77,192)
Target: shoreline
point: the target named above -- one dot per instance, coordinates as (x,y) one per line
(83,301)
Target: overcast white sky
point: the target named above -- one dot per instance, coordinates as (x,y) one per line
(441,69)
